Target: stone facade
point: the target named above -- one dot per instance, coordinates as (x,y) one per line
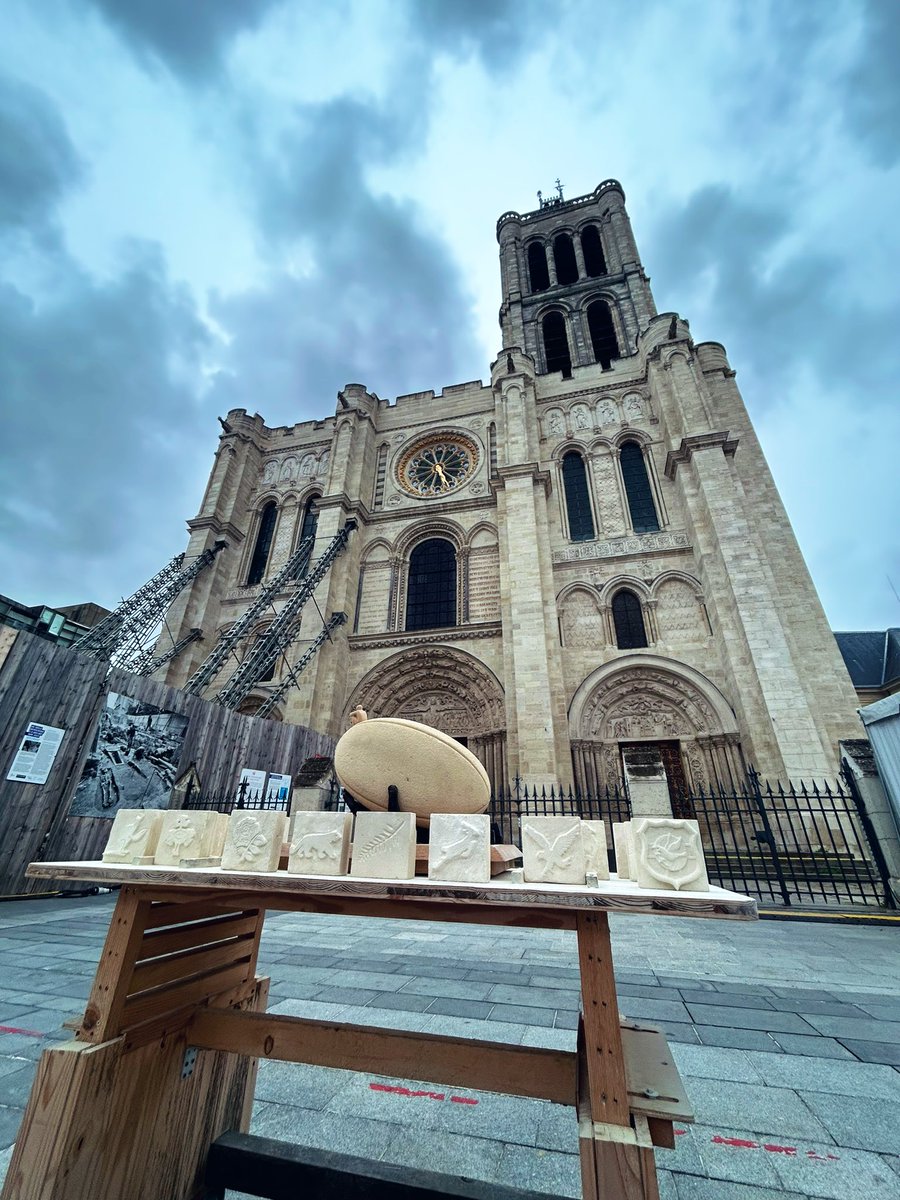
(739,664)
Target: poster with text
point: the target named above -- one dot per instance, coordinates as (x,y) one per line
(250,786)
(36,753)
(279,789)
(134,759)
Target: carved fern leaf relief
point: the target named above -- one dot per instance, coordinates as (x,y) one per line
(367,849)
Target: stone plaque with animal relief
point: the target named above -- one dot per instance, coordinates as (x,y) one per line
(134,835)
(384,845)
(253,841)
(667,853)
(552,850)
(459,847)
(320,843)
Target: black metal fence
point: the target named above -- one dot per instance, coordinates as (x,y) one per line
(787,844)
(241,797)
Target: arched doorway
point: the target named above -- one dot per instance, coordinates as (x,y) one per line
(645,698)
(443,687)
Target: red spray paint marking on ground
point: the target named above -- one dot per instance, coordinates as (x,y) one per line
(398,1090)
(26,1032)
(772,1147)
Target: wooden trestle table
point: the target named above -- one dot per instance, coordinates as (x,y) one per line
(164,1059)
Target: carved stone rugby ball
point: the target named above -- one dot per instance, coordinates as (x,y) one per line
(432,772)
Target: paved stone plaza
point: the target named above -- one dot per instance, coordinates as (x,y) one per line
(787,1035)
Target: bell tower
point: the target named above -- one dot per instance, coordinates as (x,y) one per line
(574,291)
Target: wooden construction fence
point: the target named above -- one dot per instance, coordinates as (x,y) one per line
(50,684)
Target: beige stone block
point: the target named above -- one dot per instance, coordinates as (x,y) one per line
(459,848)
(552,850)
(253,841)
(593,838)
(134,834)
(384,845)
(622,843)
(188,835)
(320,843)
(667,853)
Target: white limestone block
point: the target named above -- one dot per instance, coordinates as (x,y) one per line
(134,834)
(459,847)
(384,845)
(186,834)
(552,850)
(667,853)
(596,859)
(622,842)
(320,843)
(253,840)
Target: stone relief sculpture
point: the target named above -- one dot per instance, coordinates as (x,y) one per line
(134,834)
(307,465)
(189,836)
(459,848)
(552,850)
(270,471)
(668,854)
(555,424)
(606,413)
(320,843)
(384,845)
(596,859)
(581,417)
(288,467)
(634,406)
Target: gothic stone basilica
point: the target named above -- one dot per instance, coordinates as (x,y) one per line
(587,552)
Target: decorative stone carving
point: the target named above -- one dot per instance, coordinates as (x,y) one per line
(606,413)
(678,614)
(668,854)
(384,845)
(307,465)
(320,843)
(556,427)
(270,471)
(643,543)
(582,622)
(186,835)
(288,470)
(633,406)
(581,417)
(459,848)
(134,834)
(593,839)
(552,850)
(622,843)
(253,841)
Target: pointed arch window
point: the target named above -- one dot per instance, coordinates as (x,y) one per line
(308,529)
(578,499)
(628,618)
(538,274)
(592,250)
(637,489)
(603,334)
(263,544)
(556,344)
(431,585)
(564,258)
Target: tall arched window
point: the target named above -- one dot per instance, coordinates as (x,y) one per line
(380,473)
(628,619)
(578,500)
(538,275)
(637,489)
(556,344)
(308,529)
(592,249)
(431,585)
(263,544)
(603,333)
(564,257)
(492,447)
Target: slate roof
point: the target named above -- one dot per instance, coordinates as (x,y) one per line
(872,656)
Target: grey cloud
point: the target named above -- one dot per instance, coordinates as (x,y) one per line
(101,424)
(384,302)
(38,162)
(498,31)
(872,102)
(189,36)
(773,317)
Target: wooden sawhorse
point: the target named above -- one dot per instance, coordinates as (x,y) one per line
(164,1060)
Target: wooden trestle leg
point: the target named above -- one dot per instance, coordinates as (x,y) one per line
(124,1111)
(616,1150)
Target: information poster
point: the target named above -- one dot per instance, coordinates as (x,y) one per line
(251,786)
(36,754)
(279,788)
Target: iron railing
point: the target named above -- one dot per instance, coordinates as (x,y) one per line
(227,802)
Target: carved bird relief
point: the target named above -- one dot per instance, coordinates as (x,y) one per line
(555,855)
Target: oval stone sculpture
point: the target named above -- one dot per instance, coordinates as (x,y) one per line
(432,772)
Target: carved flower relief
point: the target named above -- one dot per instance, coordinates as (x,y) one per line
(248,839)
(182,834)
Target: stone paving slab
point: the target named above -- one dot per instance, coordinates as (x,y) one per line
(789,1105)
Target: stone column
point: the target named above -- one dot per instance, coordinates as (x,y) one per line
(608,497)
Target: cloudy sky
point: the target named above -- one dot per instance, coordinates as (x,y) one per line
(209,204)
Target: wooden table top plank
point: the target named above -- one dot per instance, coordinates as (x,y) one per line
(279,889)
